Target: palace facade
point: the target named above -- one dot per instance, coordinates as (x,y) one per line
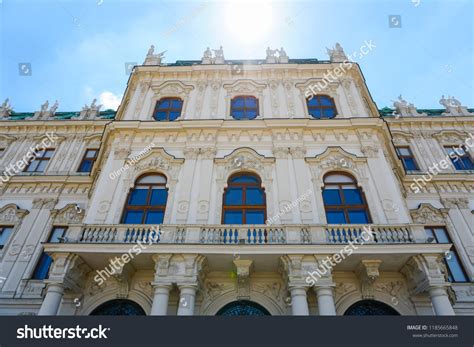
(223,187)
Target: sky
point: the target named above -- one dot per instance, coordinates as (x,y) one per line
(76,50)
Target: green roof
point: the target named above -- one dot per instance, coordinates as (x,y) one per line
(107,114)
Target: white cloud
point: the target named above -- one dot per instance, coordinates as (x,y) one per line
(109,100)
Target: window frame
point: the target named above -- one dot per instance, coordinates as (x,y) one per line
(39,160)
(169,109)
(92,160)
(321,107)
(2,229)
(44,257)
(410,156)
(245,109)
(452,249)
(344,207)
(459,161)
(244,207)
(145,208)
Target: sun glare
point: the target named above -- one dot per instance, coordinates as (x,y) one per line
(249,21)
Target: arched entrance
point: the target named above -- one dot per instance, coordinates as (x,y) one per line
(119,307)
(243,308)
(370,308)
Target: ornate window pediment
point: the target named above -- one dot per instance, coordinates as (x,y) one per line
(244,159)
(427,214)
(402,138)
(69,214)
(244,87)
(172,88)
(12,214)
(451,137)
(156,159)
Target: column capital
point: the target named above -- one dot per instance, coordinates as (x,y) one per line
(424,271)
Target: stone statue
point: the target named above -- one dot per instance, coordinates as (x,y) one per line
(151,50)
(404,109)
(454,107)
(45,106)
(90,112)
(218,58)
(337,55)
(152,58)
(272,58)
(54,107)
(5,109)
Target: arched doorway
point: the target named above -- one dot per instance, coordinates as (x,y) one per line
(243,308)
(119,307)
(370,308)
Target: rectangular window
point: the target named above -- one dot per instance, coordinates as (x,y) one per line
(42,267)
(40,161)
(460,158)
(408,159)
(456,271)
(5,232)
(88,160)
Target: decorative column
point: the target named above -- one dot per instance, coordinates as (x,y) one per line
(52,300)
(425,273)
(68,271)
(325,301)
(299,301)
(440,301)
(323,288)
(295,269)
(187,299)
(160,299)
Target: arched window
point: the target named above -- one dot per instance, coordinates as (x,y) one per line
(243,308)
(370,308)
(119,307)
(344,201)
(244,107)
(244,200)
(146,202)
(168,109)
(321,106)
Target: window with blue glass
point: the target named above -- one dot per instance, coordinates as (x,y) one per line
(408,159)
(244,107)
(321,106)
(454,266)
(344,201)
(146,201)
(42,267)
(88,160)
(5,232)
(460,158)
(168,109)
(244,200)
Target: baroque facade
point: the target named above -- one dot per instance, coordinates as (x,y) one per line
(220,186)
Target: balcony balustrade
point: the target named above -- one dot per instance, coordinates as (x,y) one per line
(246,234)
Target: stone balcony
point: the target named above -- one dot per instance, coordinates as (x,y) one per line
(246,234)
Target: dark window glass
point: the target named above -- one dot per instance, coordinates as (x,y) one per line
(42,267)
(168,109)
(460,158)
(244,107)
(406,156)
(321,106)
(456,271)
(146,202)
(344,202)
(40,161)
(5,232)
(88,160)
(244,200)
